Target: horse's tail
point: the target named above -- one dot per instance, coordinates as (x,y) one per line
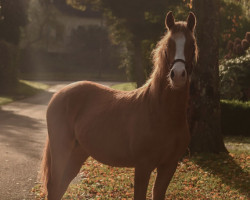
(46,166)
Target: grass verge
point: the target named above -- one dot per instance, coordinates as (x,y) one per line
(24,89)
(203,176)
(124,86)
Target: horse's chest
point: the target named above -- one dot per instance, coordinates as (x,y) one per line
(169,145)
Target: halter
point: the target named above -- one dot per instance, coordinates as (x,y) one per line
(189,70)
(178,60)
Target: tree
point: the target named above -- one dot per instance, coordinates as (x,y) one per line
(205,123)
(12,18)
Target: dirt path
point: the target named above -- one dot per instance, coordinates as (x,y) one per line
(22,136)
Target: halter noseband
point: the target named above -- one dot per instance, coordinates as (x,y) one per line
(177,60)
(189,70)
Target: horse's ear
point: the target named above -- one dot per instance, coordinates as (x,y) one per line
(170,21)
(191,21)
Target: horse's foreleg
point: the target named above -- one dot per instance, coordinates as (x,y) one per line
(142,176)
(164,175)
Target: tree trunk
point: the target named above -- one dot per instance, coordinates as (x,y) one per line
(204,112)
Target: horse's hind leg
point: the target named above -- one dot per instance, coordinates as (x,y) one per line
(67,158)
(76,160)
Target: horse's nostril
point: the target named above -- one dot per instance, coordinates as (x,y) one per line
(183,74)
(172,74)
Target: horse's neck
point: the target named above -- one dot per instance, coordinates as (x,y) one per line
(169,101)
(176,100)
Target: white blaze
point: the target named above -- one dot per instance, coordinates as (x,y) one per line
(179,67)
(180,44)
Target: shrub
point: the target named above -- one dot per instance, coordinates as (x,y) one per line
(235,118)
(8,67)
(235,77)
(247,37)
(245,44)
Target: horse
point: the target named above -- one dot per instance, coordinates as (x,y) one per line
(145,128)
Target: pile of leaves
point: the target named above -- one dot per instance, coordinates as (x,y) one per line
(203,176)
(235,78)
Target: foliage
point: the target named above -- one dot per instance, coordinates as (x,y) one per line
(8,67)
(235,118)
(235,78)
(91,48)
(43,28)
(203,176)
(234,22)
(238,47)
(13,16)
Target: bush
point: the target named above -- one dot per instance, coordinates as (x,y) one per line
(235,78)
(234,23)
(235,118)
(8,67)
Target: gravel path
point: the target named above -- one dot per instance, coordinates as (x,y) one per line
(22,136)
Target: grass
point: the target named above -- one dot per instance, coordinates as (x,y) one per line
(202,176)
(24,89)
(124,86)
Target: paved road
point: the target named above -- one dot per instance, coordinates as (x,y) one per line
(22,137)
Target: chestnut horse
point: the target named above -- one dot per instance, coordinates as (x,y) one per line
(145,128)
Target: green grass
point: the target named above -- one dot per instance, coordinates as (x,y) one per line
(5,100)
(24,89)
(202,176)
(124,86)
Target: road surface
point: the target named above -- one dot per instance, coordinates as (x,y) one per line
(22,137)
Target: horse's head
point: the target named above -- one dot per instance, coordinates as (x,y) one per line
(181,49)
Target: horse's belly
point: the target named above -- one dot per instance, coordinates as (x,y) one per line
(114,161)
(108,149)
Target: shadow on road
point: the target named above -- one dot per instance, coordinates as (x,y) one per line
(19,132)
